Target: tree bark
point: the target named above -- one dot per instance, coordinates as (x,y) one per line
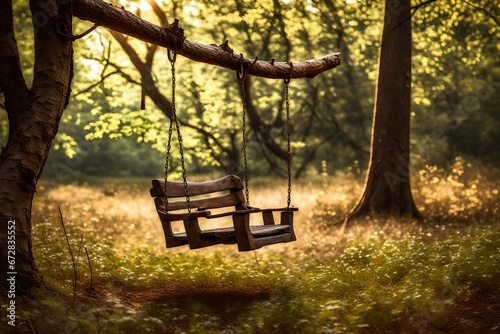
(34,116)
(387,188)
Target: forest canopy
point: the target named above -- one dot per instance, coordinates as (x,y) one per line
(455,79)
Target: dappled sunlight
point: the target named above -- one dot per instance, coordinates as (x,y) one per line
(462,192)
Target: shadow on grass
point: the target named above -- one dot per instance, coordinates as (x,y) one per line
(185,307)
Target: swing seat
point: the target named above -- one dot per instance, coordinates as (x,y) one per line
(224,193)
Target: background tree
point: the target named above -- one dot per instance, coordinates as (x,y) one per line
(34,115)
(387,188)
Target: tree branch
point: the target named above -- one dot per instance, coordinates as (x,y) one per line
(414,8)
(95,84)
(485,11)
(120,20)
(159,13)
(421,4)
(123,74)
(71,37)
(262,130)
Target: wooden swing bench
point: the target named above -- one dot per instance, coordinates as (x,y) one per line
(206,196)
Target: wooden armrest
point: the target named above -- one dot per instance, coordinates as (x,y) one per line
(182,216)
(233,213)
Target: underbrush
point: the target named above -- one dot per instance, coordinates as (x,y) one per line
(382,275)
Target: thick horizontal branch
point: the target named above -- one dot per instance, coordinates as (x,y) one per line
(120,20)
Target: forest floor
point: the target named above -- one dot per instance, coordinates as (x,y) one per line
(475,313)
(382,275)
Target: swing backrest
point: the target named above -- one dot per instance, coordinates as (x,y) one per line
(224,192)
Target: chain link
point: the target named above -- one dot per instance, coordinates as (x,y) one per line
(241,74)
(244,135)
(167,158)
(288,135)
(172,55)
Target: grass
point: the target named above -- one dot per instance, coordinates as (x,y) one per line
(384,275)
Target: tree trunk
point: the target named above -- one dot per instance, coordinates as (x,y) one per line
(34,116)
(387,188)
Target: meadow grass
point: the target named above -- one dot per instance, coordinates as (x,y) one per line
(382,275)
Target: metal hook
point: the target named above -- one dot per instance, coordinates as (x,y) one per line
(172,54)
(241,73)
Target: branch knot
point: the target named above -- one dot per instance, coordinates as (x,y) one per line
(173,35)
(225,46)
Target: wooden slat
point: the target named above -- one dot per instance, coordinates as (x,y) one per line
(269,230)
(268,217)
(176,188)
(205,203)
(180,236)
(181,216)
(223,232)
(261,242)
(232,213)
(257,231)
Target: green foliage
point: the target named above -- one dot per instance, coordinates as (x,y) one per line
(382,283)
(455,78)
(454,86)
(455,82)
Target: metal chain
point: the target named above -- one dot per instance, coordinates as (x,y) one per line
(288,135)
(167,158)
(244,135)
(241,74)
(172,55)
